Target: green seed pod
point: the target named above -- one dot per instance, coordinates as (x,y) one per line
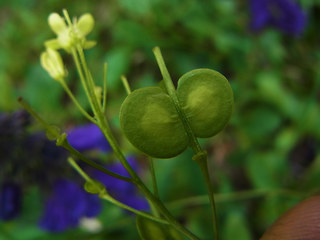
(150,121)
(207,99)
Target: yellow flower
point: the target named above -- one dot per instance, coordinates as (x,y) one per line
(51,61)
(69,36)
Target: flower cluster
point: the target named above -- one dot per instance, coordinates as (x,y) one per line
(70,35)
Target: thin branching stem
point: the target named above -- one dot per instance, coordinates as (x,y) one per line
(75,101)
(104,99)
(126,84)
(200,156)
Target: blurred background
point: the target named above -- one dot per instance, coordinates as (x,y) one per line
(265,161)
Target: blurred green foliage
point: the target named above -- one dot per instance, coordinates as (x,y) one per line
(272,142)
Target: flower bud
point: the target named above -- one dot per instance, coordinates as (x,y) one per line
(51,61)
(71,35)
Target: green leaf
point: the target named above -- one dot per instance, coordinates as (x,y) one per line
(134,35)
(7,99)
(118,62)
(260,122)
(311,178)
(150,230)
(42,92)
(272,90)
(266,170)
(131,6)
(236,227)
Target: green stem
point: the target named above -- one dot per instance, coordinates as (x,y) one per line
(64,143)
(90,82)
(154,179)
(99,115)
(78,155)
(104,100)
(154,186)
(84,73)
(126,207)
(138,182)
(235,196)
(103,124)
(79,170)
(67,17)
(67,89)
(201,159)
(26,106)
(172,93)
(49,128)
(82,68)
(199,155)
(165,212)
(81,75)
(126,84)
(107,197)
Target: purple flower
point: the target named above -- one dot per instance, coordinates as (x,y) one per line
(124,192)
(88,137)
(67,205)
(285,15)
(12,132)
(10,200)
(45,162)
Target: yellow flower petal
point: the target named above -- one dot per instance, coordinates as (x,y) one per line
(85,24)
(57,23)
(53,44)
(44,61)
(89,44)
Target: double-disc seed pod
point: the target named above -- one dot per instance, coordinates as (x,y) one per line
(149,118)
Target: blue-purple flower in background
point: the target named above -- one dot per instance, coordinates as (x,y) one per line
(10,200)
(285,15)
(124,192)
(88,137)
(40,162)
(66,206)
(68,202)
